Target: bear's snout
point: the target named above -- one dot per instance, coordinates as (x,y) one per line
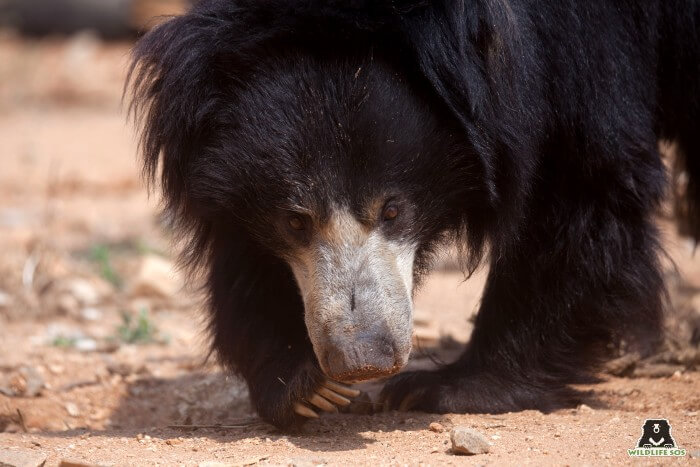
(366,357)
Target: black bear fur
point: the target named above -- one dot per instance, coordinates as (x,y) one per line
(538,124)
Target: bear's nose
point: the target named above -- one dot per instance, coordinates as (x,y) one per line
(365,357)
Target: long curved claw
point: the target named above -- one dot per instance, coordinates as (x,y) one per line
(322,403)
(333,397)
(340,389)
(304,411)
(329,395)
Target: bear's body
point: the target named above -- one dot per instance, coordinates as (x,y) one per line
(314,154)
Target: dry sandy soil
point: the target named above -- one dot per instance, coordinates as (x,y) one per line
(102,353)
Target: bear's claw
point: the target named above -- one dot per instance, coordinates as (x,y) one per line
(328,394)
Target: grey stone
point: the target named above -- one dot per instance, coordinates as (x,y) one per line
(468,441)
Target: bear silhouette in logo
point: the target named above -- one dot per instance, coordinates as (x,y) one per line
(656,433)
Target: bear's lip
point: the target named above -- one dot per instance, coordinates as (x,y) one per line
(365,373)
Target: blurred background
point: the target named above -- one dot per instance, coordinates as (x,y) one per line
(96,329)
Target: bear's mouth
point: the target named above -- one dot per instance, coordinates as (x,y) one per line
(365,373)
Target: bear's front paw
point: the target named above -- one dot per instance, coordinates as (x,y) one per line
(327,397)
(287,396)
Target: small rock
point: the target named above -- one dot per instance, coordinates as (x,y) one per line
(436,427)
(22,458)
(173,441)
(25,382)
(583,408)
(34,381)
(468,441)
(72,409)
(5,300)
(91,314)
(156,277)
(83,291)
(85,344)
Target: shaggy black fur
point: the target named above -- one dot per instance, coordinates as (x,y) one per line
(523,128)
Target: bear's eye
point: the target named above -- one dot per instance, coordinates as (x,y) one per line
(390,213)
(296,222)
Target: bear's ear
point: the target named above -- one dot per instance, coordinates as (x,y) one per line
(174,88)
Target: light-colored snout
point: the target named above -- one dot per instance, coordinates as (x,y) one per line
(357,292)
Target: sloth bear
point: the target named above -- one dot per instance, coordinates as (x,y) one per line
(656,433)
(313,155)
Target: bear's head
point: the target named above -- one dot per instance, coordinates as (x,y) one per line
(336,157)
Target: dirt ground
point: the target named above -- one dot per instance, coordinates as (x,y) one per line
(102,349)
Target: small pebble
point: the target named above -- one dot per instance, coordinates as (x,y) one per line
(85,344)
(91,314)
(468,441)
(436,427)
(72,409)
(5,299)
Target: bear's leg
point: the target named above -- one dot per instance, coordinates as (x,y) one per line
(258,330)
(583,274)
